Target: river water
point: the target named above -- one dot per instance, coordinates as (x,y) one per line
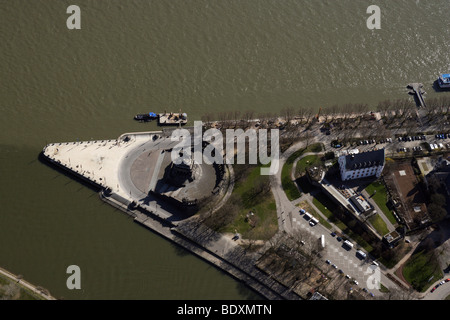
(195,55)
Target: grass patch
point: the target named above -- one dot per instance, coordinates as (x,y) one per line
(383,288)
(363,243)
(377,222)
(391,257)
(251,194)
(324,204)
(308,208)
(381,199)
(289,186)
(420,268)
(306,162)
(15,291)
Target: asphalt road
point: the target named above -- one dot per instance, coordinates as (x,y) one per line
(289,220)
(441,292)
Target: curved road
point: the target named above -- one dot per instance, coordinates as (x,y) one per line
(289,220)
(441,292)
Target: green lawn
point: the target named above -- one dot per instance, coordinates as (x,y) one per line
(420,268)
(308,208)
(324,204)
(289,186)
(381,199)
(11,290)
(262,205)
(306,162)
(377,222)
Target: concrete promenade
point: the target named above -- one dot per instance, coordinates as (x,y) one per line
(106,165)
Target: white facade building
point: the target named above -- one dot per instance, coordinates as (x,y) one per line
(361,165)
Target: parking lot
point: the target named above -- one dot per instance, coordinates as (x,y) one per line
(413,144)
(340,257)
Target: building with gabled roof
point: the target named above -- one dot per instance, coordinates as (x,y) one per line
(361,165)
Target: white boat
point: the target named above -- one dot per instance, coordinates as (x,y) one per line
(444,81)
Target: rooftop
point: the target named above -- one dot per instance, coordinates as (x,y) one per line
(365,160)
(445,78)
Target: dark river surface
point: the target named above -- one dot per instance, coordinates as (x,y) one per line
(196,55)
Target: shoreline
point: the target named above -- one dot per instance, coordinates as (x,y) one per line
(215,248)
(36,290)
(222,252)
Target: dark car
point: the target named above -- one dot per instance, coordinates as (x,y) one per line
(339,239)
(333,234)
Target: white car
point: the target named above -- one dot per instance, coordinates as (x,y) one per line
(355,282)
(313,222)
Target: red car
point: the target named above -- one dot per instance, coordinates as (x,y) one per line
(432,290)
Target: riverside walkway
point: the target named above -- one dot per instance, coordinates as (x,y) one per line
(44,294)
(107,165)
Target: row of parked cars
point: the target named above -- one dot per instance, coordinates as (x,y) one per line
(440,284)
(308,216)
(411,138)
(370,141)
(354,281)
(442,136)
(416,148)
(435,146)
